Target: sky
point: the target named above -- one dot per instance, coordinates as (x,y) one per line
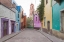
(25,4)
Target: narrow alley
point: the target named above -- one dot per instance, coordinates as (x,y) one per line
(31,20)
(29,35)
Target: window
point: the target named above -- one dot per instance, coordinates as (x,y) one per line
(32,7)
(18,20)
(18,15)
(46,1)
(44,21)
(36,18)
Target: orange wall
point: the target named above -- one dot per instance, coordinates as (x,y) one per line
(23,21)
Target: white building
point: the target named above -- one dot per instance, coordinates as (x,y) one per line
(7,21)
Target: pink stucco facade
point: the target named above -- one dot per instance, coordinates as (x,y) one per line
(37,23)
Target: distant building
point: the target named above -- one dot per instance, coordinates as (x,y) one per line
(31,14)
(37,24)
(23,20)
(18,17)
(31,10)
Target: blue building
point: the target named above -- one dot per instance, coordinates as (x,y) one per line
(18,25)
(58,17)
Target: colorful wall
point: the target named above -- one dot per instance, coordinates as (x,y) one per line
(56,15)
(6,16)
(18,16)
(47,14)
(24,22)
(37,23)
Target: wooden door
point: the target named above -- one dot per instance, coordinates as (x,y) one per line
(12,27)
(5,28)
(48,25)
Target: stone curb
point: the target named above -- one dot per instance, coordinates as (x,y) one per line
(45,36)
(51,39)
(12,35)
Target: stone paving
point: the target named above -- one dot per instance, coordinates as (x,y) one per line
(51,37)
(29,35)
(8,36)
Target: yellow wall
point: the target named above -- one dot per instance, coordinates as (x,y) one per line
(47,13)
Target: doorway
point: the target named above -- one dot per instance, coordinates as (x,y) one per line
(12,26)
(5,28)
(48,25)
(62,21)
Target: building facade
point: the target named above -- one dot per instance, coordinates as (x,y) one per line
(24,20)
(47,20)
(31,10)
(58,18)
(7,17)
(18,18)
(31,14)
(7,21)
(37,24)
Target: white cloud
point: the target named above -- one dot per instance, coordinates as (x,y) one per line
(26,4)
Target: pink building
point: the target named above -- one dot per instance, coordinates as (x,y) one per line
(37,23)
(31,9)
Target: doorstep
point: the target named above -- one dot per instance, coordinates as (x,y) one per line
(9,36)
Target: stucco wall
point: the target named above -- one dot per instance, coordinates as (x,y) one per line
(17,23)
(47,13)
(14,9)
(19,13)
(6,13)
(16,16)
(56,15)
(53,2)
(37,23)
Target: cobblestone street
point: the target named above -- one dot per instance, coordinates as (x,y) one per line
(29,35)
